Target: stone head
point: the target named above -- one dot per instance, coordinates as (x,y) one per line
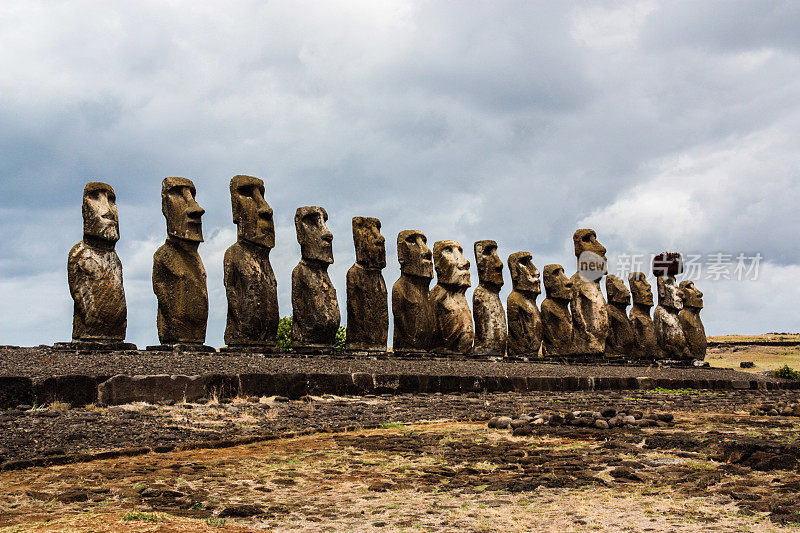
(524,275)
(616,290)
(413,254)
(585,240)
(313,234)
(251,212)
(692,297)
(640,289)
(452,268)
(99,209)
(556,284)
(490,266)
(592,262)
(669,294)
(370,244)
(181,210)
(667,264)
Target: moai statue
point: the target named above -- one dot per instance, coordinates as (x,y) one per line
(690,321)
(556,318)
(94,272)
(367,302)
(645,344)
(524,319)
(179,278)
(620,338)
(413,318)
(669,333)
(249,280)
(491,333)
(316,317)
(589,315)
(453,331)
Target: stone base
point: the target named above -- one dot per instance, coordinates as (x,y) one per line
(249,349)
(377,354)
(181,348)
(410,353)
(94,346)
(314,349)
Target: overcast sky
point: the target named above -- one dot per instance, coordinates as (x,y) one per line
(662,125)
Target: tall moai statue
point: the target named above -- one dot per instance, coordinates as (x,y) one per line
(413,318)
(645,343)
(589,314)
(453,333)
(316,317)
(669,333)
(620,340)
(691,324)
(556,318)
(249,279)
(94,273)
(179,278)
(367,300)
(524,319)
(491,331)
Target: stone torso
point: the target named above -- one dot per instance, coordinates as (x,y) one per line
(645,344)
(669,333)
(316,311)
(524,325)
(252,296)
(95,282)
(491,332)
(454,332)
(413,318)
(556,327)
(694,332)
(179,281)
(620,331)
(589,317)
(367,309)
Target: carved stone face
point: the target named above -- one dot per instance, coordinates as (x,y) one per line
(556,283)
(585,240)
(370,244)
(181,210)
(640,289)
(692,297)
(313,234)
(452,268)
(616,290)
(667,263)
(490,266)
(669,294)
(413,254)
(99,209)
(524,275)
(251,212)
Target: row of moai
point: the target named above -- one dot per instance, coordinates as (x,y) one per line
(574,321)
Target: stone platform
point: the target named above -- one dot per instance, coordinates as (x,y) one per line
(42,375)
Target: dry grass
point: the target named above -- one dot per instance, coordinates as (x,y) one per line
(764,357)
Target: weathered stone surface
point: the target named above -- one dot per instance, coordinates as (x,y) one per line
(250,283)
(122,389)
(524,319)
(589,314)
(367,300)
(94,271)
(669,333)
(620,338)
(413,317)
(690,321)
(491,332)
(316,314)
(179,278)
(645,344)
(556,318)
(453,331)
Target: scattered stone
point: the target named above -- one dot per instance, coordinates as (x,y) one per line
(240,511)
(747,364)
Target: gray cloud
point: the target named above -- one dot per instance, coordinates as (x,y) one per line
(662,125)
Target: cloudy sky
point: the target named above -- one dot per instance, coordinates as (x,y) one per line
(662,125)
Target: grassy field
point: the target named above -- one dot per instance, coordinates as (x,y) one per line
(764,357)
